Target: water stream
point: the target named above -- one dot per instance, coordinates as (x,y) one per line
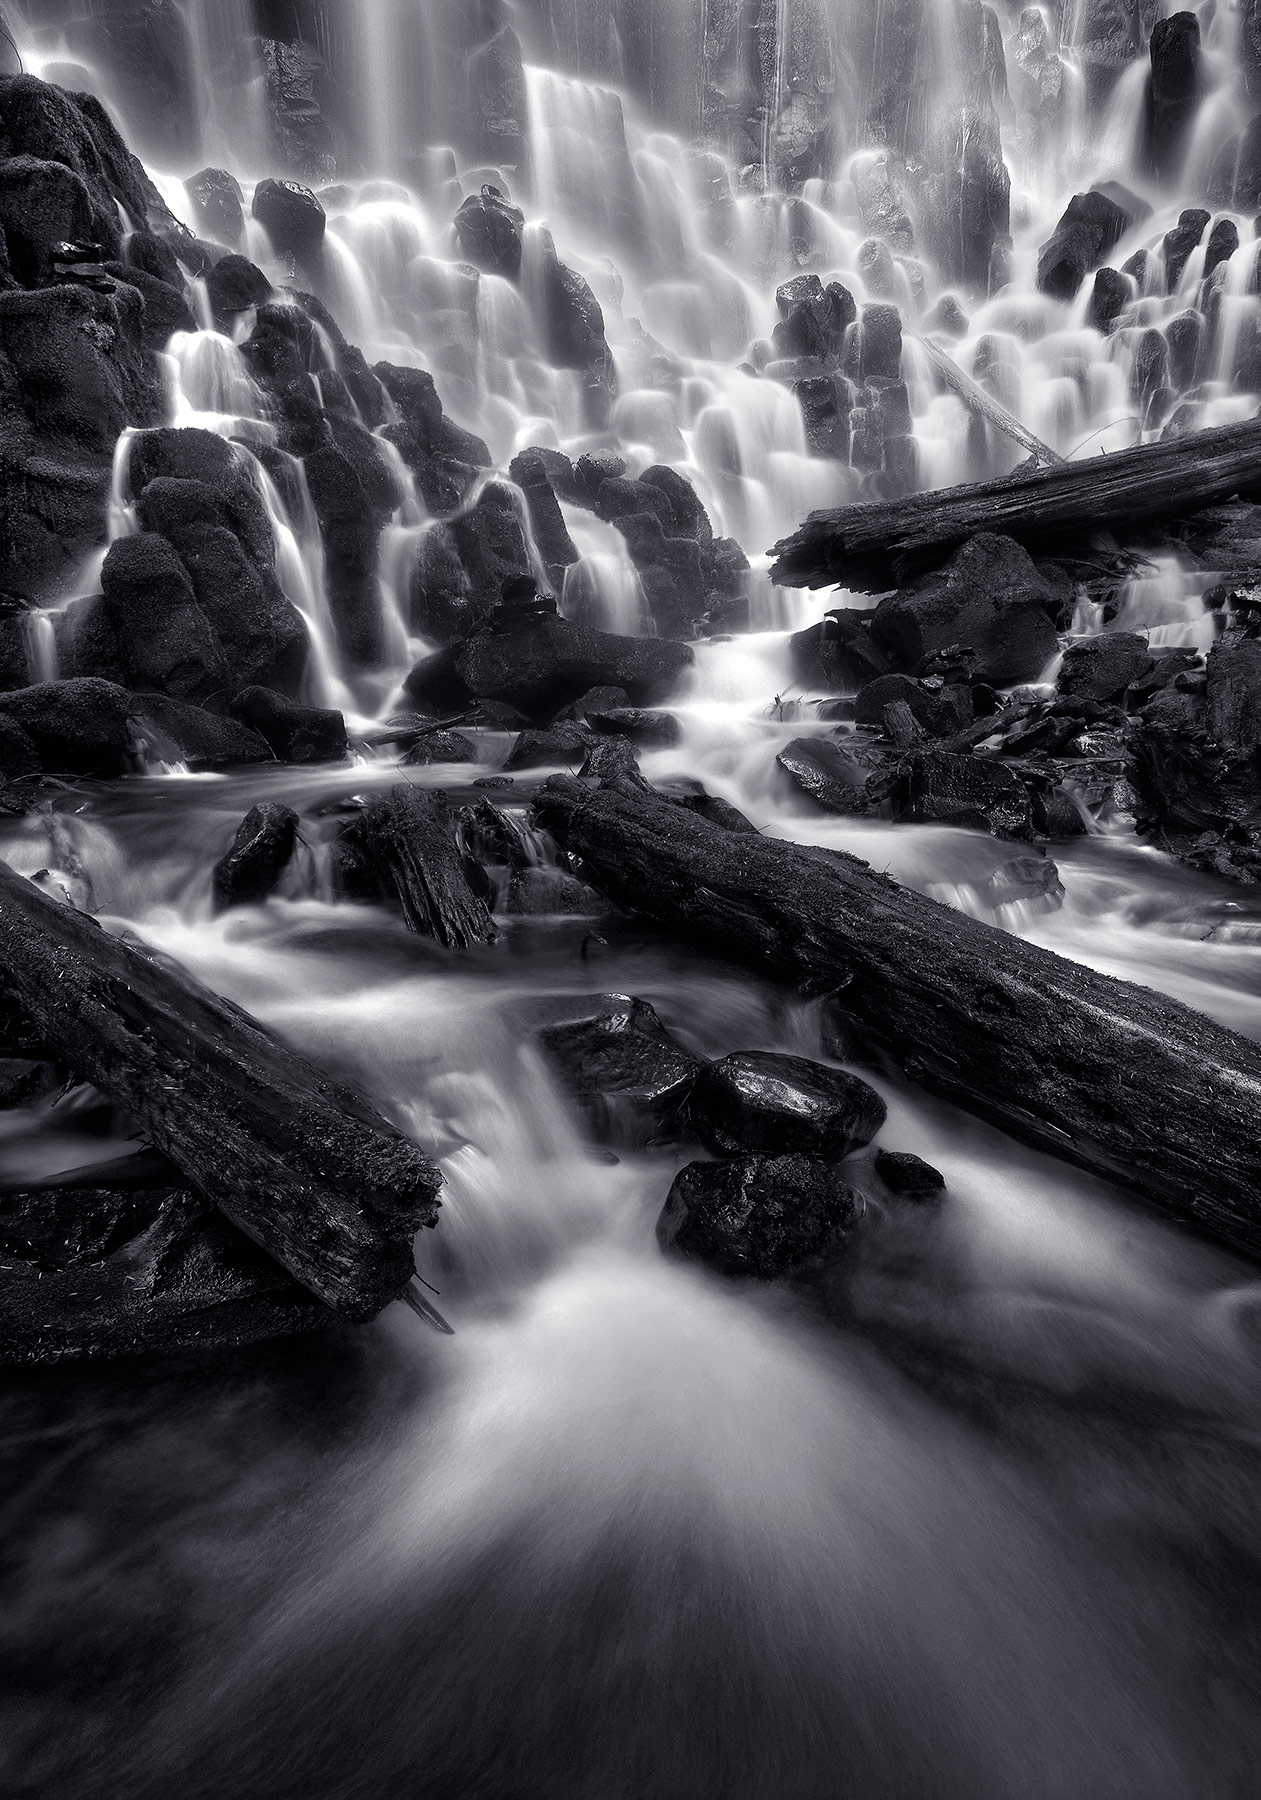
(635,1533)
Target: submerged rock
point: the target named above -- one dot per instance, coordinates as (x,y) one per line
(759,1217)
(759,1100)
(631,1078)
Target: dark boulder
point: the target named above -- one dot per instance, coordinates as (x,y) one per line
(351,512)
(652,730)
(903,1173)
(233,286)
(291,216)
(78,727)
(295,83)
(1109,297)
(547,522)
(759,1217)
(43,207)
(1181,241)
(1223,241)
(944,788)
(218,204)
(171,731)
(1090,228)
(838,654)
(489,229)
(78,368)
(775,1105)
(880,343)
(541,664)
(826,407)
(19,759)
(166,310)
(440,747)
(946,318)
(572,324)
(204,457)
(166,638)
(813,320)
(1173,90)
(831,771)
(631,1078)
(990,598)
(293,733)
(940,711)
(687,510)
(258,856)
(1101,668)
(563,745)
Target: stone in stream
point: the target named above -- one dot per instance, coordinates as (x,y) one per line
(1101,668)
(777,1105)
(833,772)
(542,663)
(562,745)
(1029,880)
(441,747)
(760,1217)
(291,216)
(989,597)
(1179,242)
(168,642)
(1109,297)
(233,286)
(838,654)
(944,788)
(258,857)
(489,229)
(942,710)
(903,1173)
(171,731)
(631,1078)
(294,733)
(218,204)
(654,730)
(1090,228)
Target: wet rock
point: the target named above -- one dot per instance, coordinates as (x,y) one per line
(218,204)
(19,759)
(563,745)
(165,308)
(441,747)
(631,1078)
(78,368)
(493,837)
(943,788)
(233,286)
(171,731)
(813,320)
(1109,297)
(759,1217)
(653,730)
(547,522)
(1101,668)
(166,638)
(498,90)
(1183,336)
(1181,241)
(540,665)
(352,511)
(825,408)
(909,1175)
(489,229)
(292,217)
(1173,90)
(536,893)
(573,327)
(489,543)
(598,699)
(44,205)
(263,638)
(1223,241)
(940,710)
(834,773)
(294,733)
(947,318)
(880,343)
(779,1105)
(78,727)
(688,517)
(258,857)
(295,81)
(838,654)
(989,597)
(1091,226)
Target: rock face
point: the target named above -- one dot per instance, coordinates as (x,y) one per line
(759,1217)
(630,1077)
(990,598)
(778,1105)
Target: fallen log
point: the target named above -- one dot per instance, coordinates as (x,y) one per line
(979,401)
(403,844)
(300,1163)
(1111,1076)
(874,546)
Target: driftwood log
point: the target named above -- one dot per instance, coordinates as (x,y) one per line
(877,545)
(403,848)
(300,1163)
(1111,1076)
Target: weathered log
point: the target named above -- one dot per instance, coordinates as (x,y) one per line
(979,401)
(1118,1079)
(875,546)
(405,841)
(299,1162)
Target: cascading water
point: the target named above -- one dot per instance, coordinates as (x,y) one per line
(638,1533)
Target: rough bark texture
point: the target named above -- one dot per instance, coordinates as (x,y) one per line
(875,546)
(301,1164)
(407,839)
(1111,1076)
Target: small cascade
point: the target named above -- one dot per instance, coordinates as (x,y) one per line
(39,630)
(300,571)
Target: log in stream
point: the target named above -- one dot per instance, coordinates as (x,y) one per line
(299,1162)
(1113,1077)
